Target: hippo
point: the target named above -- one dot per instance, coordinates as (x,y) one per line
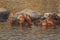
(4,14)
(34,15)
(26,17)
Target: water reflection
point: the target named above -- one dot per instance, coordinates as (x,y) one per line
(36,32)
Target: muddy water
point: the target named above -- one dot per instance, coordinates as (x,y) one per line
(35,33)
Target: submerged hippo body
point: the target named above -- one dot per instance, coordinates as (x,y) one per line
(4,13)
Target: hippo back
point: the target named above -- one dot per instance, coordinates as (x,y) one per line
(33,14)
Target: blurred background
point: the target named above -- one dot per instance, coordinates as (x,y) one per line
(39,5)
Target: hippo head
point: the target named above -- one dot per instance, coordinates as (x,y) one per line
(47,14)
(4,13)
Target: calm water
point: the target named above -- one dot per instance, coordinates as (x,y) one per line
(35,33)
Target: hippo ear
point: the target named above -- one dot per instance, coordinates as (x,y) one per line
(19,16)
